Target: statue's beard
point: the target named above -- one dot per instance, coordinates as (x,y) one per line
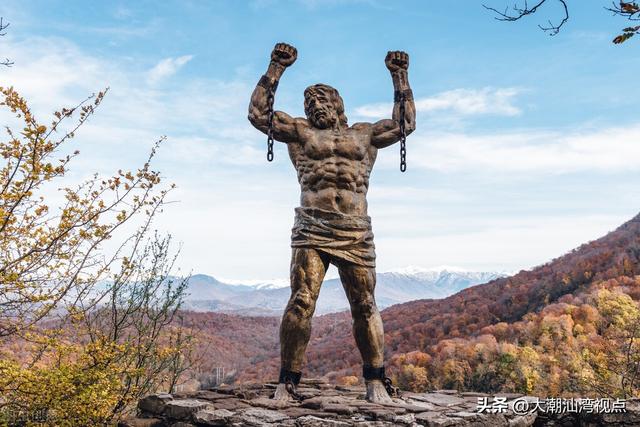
(323,119)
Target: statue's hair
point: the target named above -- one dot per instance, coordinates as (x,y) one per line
(334,97)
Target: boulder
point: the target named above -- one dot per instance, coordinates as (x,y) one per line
(212,417)
(154,404)
(259,417)
(183,409)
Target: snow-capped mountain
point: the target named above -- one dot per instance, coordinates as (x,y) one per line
(264,297)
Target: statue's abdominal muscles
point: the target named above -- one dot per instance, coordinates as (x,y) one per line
(333,170)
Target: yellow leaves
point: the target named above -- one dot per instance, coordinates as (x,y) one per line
(618,309)
(114,183)
(530,379)
(76,314)
(413,377)
(349,380)
(121,216)
(11,277)
(454,373)
(15,103)
(39,211)
(166,352)
(76,392)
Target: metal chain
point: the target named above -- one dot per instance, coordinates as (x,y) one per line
(291,389)
(403,136)
(391,390)
(270,99)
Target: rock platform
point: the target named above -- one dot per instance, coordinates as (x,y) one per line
(341,406)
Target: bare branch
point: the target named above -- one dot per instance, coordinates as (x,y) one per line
(518,12)
(7,62)
(554,29)
(627,9)
(3,26)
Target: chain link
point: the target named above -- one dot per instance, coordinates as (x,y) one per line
(392,391)
(270,99)
(291,389)
(403,136)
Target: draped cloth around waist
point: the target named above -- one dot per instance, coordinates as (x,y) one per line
(347,237)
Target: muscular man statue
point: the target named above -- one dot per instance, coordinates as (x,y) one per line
(333,161)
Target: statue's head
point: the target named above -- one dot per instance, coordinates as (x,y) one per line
(323,106)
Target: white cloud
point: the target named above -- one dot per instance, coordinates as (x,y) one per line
(167,67)
(526,152)
(498,244)
(205,119)
(464,102)
(53,72)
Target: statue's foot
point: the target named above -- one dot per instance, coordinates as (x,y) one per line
(377,393)
(282,395)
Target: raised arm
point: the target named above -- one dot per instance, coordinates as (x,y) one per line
(284,126)
(387,131)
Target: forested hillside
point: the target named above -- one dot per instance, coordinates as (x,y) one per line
(587,343)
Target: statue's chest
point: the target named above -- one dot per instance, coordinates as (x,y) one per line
(327,144)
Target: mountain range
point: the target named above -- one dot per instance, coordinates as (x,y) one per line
(269,298)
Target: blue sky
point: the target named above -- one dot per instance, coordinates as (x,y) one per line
(527,145)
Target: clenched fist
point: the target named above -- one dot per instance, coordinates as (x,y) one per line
(284,54)
(397,60)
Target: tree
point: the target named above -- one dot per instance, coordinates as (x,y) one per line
(94,329)
(46,256)
(629,10)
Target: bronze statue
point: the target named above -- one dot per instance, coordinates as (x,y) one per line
(333,161)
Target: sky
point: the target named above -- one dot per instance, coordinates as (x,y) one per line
(526,145)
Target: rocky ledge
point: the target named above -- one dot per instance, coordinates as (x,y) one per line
(337,406)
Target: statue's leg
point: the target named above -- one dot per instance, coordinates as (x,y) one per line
(308,268)
(359,283)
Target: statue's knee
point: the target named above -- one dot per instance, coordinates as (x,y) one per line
(364,307)
(302,304)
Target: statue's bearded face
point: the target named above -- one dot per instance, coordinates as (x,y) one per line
(321,107)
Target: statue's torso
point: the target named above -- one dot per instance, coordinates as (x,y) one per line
(333,168)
